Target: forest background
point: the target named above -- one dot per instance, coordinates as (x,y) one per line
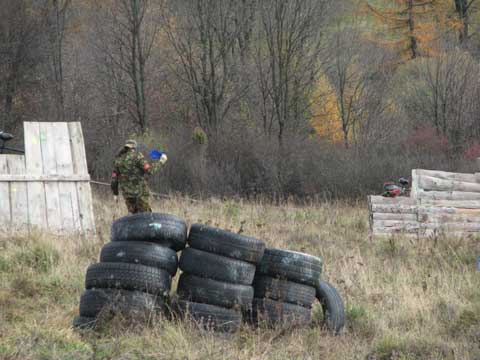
(310,99)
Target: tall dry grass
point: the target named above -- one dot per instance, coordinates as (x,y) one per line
(405,299)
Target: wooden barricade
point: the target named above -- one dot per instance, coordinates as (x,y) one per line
(49,187)
(440,202)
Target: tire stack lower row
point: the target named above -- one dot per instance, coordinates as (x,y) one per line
(216,283)
(134,275)
(285,288)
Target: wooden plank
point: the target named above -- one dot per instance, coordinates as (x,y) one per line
(67,190)
(445,217)
(463,177)
(394,223)
(86,207)
(34,165)
(415,185)
(462,204)
(435,184)
(396,229)
(40,178)
(5,215)
(401,200)
(78,149)
(390,216)
(18,194)
(452,226)
(52,195)
(448,195)
(394,209)
(446,210)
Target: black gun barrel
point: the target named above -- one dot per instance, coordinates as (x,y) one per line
(4,136)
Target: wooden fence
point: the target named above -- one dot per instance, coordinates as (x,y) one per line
(49,187)
(440,202)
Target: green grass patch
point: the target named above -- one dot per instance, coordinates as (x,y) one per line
(39,257)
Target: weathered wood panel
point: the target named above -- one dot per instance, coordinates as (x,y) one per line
(84,192)
(43,178)
(381,200)
(34,165)
(448,195)
(462,177)
(392,216)
(394,209)
(435,184)
(5,215)
(68,192)
(461,204)
(18,194)
(52,195)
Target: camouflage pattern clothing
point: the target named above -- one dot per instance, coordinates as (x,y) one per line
(130,175)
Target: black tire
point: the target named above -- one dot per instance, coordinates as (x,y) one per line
(332,306)
(142,253)
(291,265)
(135,304)
(284,291)
(209,317)
(84,323)
(162,229)
(128,277)
(216,267)
(276,313)
(226,243)
(208,291)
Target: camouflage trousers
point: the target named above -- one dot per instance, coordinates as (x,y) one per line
(138,204)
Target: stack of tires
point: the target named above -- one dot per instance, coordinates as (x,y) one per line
(134,275)
(285,288)
(216,283)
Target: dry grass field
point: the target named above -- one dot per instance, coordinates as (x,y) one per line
(405,299)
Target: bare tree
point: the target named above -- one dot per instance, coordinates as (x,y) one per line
(126,34)
(21,27)
(288,62)
(204,35)
(57,23)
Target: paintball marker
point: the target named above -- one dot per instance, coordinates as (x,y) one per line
(4,137)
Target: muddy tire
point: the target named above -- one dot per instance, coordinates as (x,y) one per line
(275,313)
(208,291)
(284,291)
(291,265)
(105,302)
(226,243)
(209,317)
(332,306)
(142,253)
(128,277)
(163,229)
(216,267)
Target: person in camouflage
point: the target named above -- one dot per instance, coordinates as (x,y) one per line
(130,173)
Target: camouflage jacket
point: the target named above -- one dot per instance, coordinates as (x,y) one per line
(130,172)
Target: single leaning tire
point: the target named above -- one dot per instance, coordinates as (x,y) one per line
(84,322)
(208,291)
(162,229)
(276,313)
(209,317)
(283,290)
(134,304)
(216,267)
(128,277)
(142,253)
(332,306)
(291,265)
(226,243)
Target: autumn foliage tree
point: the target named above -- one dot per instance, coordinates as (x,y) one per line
(410,27)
